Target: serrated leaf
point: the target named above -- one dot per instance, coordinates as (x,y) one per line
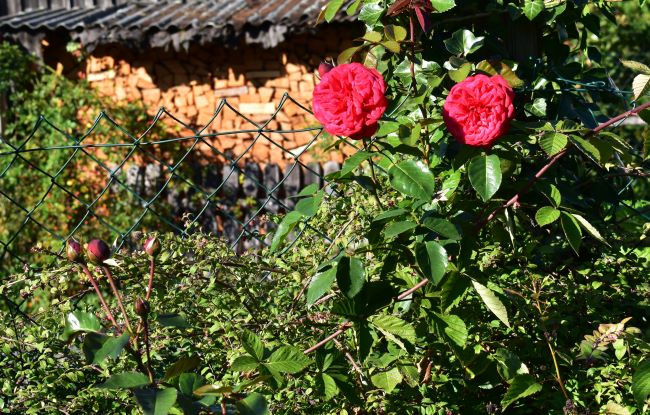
(320,284)
(492,302)
(432,259)
(125,380)
(287,359)
(452,290)
(252,344)
(350,276)
(641,382)
(397,228)
(546,215)
(591,230)
(412,178)
(532,8)
(552,143)
(156,402)
(387,380)
(454,327)
(244,364)
(586,147)
(612,408)
(441,6)
(485,175)
(329,388)
(521,386)
(641,85)
(571,231)
(182,365)
(551,192)
(636,66)
(395,326)
(509,364)
(97,346)
(253,404)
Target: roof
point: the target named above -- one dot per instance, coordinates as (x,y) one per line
(174,22)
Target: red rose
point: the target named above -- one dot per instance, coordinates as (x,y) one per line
(478,110)
(349,100)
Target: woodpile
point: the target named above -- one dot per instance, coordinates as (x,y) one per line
(253,80)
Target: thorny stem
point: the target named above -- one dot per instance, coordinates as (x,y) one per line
(555,158)
(152,268)
(118,296)
(109,314)
(558,377)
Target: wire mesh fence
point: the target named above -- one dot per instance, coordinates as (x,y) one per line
(109,182)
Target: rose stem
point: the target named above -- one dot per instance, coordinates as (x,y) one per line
(145,323)
(152,268)
(109,314)
(118,297)
(374,176)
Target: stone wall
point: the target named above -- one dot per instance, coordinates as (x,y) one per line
(191,85)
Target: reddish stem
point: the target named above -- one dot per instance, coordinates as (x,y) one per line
(109,314)
(152,268)
(118,296)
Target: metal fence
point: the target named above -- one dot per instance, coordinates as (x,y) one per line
(230,196)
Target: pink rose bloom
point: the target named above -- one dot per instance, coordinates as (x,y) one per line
(349,100)
(478,110)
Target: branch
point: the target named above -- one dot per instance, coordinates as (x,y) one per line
(553,160)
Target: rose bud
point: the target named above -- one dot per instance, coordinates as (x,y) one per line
(141,307)
(152,246)
(98,251)
(73,250)
(324,68)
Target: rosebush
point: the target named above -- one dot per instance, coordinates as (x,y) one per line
(505,277)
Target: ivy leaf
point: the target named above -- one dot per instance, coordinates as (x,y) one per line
(521,386)
(492,302)
(589,228)
(97,346)
(350,276)
(485,175)
(412,178)
(393,326)
(287,359)
(252,344)
(387,380)
(125,380)
(320,284)
(371,13)
(571,231)
(641,382)
(537,107)
(80,322)
(454,327)
(441,6)
(463,42)
(641,85)
(432,260)
(547,215)
(552,143)
(532,8)
(156,402)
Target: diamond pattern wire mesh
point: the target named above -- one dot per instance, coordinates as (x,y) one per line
(92,207)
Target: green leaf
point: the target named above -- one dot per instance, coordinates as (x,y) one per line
(397,33)
(173,320)
(441,6)
(309,206)
(442,227)
(393,326)
(209,390)
(458,75)
(509,364)
(308,191)
(125,380)
(551,192)
(80,322)
(373,37)
(397,228)
(244,364)
(412,178)
(641,85)
(641,382)
(97,346)
(450,184)
(532,8)
(552,143)
(188,383)
(432,260)
(352,162)
(287,359)
(521,386)
(350,276)
(494,67)
(182,365)
(286,226)
(452,290)
(352,8)
(252,344)
(253,404)
(571,231)
(636,66)
(347,54)
(537,107)
(492,302)
(586,147)
(463,42)
(371,13)
(591,230)
(454,327)
(320,284)
(332,8)
(329,388)
(389,214)
(612,408)
(387,380)
(485,175)
(391,45)
(547,215)
(155,402)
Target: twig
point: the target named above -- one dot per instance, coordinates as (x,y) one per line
(553,160)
